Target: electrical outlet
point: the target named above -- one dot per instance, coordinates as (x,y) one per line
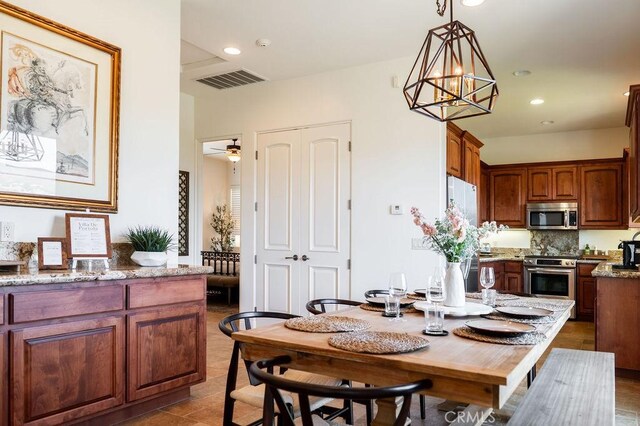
(419,244)
(395,209)
(7,230)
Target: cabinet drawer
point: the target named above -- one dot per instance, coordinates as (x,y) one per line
(585,269)
(43,305)
(165,292)
(513,267)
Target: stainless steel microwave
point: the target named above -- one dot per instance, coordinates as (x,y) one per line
(552,216)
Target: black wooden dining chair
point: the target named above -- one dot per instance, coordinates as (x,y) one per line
(276,384)
(253,394)
(319,306)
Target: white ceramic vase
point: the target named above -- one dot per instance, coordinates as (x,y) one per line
(149,258)
(454,286)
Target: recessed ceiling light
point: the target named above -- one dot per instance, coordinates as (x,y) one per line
(626,93)
(521,73)
(546,122)
(471,3)
(536,101)
(232,51)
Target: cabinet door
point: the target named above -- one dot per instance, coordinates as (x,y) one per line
(484,196)
(454,151)
(633,121)
(65,371)
(565,183)
(601,192)
(508,191)
(513,282)
(166,350)
(471,164)
(3,380)
(539,184)
(586,298)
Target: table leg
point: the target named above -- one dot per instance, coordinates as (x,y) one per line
(388,409)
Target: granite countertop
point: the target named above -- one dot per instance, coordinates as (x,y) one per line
(604,269)
(500,258)
(32,277)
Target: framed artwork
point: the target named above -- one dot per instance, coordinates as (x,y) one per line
(88,235)
(183,213)
(52,253)
(59,115)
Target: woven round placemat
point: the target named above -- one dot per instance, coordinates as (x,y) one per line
(368,307)
(524,339)
(378,342)
(326,324)
(502,317)
(534,302)
(416,297)
(499,296)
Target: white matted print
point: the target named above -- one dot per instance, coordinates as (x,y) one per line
(47,114)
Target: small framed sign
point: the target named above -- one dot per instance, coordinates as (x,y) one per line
(52,253)
(88,236)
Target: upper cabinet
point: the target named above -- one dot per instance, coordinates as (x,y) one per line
(508,196)
(633,121)
(484,194)
(471,148)
(552,183)
(602,196)
(455,157)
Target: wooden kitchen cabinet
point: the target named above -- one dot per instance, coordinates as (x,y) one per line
(484,195)
(565,183)
(513,277)
(4,380)
(61,372)
(471,146)
(539,184)
(586,292)
(633,122)
(602,195)
(166,350)
(508,188)
(455,151)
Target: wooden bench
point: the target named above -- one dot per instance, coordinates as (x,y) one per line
(573,388)
(226,270)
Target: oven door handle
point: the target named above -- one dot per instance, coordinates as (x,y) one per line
(564,271)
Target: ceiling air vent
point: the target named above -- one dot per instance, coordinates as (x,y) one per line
(230,79)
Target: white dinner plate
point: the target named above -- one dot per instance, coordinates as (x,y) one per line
(469,308)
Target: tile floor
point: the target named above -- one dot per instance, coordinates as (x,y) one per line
(205,406)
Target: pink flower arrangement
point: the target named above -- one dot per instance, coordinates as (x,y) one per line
(453,236)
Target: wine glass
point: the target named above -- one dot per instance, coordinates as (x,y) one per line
(487,277)
(397,290)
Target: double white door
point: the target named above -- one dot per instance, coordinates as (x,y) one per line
(303,218)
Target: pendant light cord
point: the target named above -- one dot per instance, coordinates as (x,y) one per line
(441,9)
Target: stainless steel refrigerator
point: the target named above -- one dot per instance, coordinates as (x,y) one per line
(465,196)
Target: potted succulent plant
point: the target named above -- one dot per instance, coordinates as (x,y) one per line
(151,244)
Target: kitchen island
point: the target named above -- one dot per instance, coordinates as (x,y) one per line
(617,318)
(97,347)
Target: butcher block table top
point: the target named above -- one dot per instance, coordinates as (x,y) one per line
(462,370)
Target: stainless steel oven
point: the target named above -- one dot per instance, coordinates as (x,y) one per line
(551,277)
(552,216)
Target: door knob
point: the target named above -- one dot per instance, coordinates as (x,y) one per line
(294,257)
(304,258)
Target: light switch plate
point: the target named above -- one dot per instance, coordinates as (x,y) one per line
(7,231)
(396,209)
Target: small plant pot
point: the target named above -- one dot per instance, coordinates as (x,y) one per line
(149,258)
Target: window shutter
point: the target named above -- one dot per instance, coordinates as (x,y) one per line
(235,208)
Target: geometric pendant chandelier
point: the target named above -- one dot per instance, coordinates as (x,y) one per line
(451,78)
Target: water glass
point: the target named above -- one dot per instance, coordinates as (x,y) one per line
(397,290)
(391,306)
(434,318)
(487,277)
(489,296)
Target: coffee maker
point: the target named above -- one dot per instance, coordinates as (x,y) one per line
(630,254)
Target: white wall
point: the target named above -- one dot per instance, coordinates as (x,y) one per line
(215,192)
(148,31)
(397,158)
(580,145)
(187,163)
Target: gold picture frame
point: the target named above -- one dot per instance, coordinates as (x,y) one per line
(64,154)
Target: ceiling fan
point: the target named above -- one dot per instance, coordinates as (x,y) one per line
(232,151)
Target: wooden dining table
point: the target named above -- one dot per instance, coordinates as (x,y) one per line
(483,375)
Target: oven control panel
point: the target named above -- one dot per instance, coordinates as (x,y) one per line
(558,263)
